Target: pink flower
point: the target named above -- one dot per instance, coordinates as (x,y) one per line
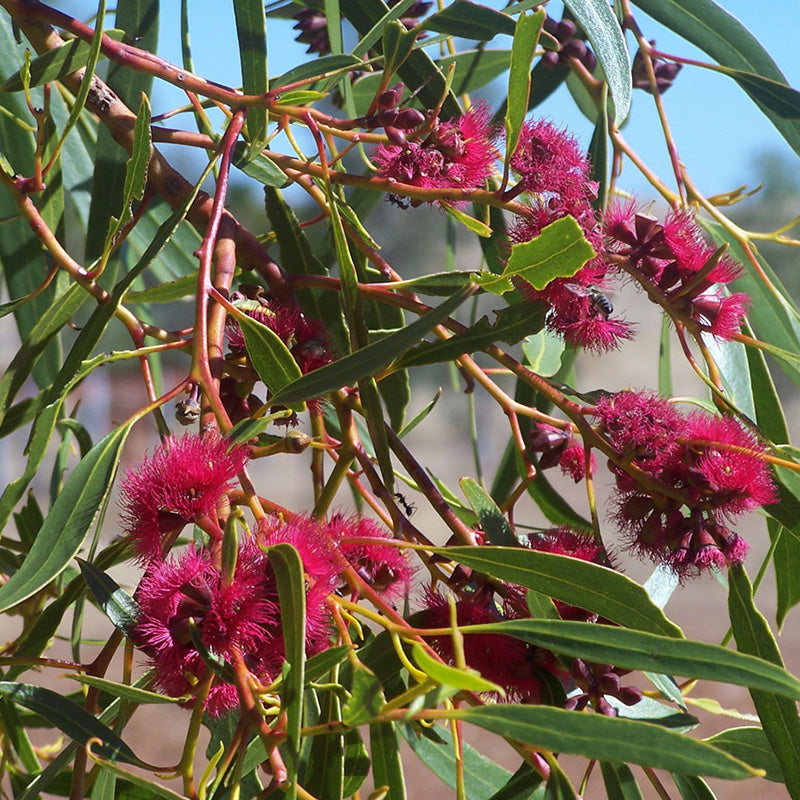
(239,617)
(182,482)
(551,163)
(711,470)
(458,154)
(383,567)
(318,552)
(727,472)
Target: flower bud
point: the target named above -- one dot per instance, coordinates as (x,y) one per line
(391,97)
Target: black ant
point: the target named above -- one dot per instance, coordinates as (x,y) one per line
(409,508)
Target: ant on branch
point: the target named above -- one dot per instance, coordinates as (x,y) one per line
(409,508)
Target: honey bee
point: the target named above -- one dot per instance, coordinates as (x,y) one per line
(599,301)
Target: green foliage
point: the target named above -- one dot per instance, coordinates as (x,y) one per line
(291,629)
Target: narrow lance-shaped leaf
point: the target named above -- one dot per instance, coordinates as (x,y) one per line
(387,770)
(288,568)
(526,37)
(638,650)
(570,580)
(251,30)
(714,30)
(603,31)
(469,20)
(369,360)
(493,522)
(605,738)
(778,715)
(69,717)
(68,522)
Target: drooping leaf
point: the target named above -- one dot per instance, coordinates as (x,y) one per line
(465,679)
(619,781)
(68,522)
(370,359)
(366,698)
(468,20)
(316,68)
(117,604)
(603,31)
(251,31)
(481,775)
(493,522)
(125,691)
(751,746)
(579,583)
(69,717)
(639,650)
(526,37)
(387,770)
(778,715)
(605,738)
(512,324)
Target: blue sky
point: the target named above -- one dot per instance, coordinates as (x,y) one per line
(717,128)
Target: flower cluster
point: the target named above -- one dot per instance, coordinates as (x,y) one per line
(195,615)
(526,673)
(700,472)
(675,258)
(182,482)
(555,173)
(456,154)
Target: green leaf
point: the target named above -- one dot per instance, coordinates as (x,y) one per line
(135,173)
(469,20)
(511,326)
(70,718)
(295,249)
(55,64)
(436,751)
(619,781)
(731,358)
(558,786)
(387,769)
(165,292)
(52,320)
(579,583)
(258,166)
(417,71)
(493,521)
(543,351)
(316,68)
(778,715)
(356,763)
(288,568)
(638,650)
(605,738)
(786,561)
(464,679)
(369,360)
(524,784)
(718,33)
(326,778)
(68,522)
(398,43)
(693,788)
(558,252)
(117,604)
(603,31)
(474,69)
(366,698)
(526,37)
(750,745)
(470,223)
(373,414)
(251,31)
(124,690)
(774,95)
(271,358)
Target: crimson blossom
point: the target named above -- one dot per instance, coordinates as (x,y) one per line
(555,173)
(182,482)
(674,257)
(702,472)
(233,619)
(456,154)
